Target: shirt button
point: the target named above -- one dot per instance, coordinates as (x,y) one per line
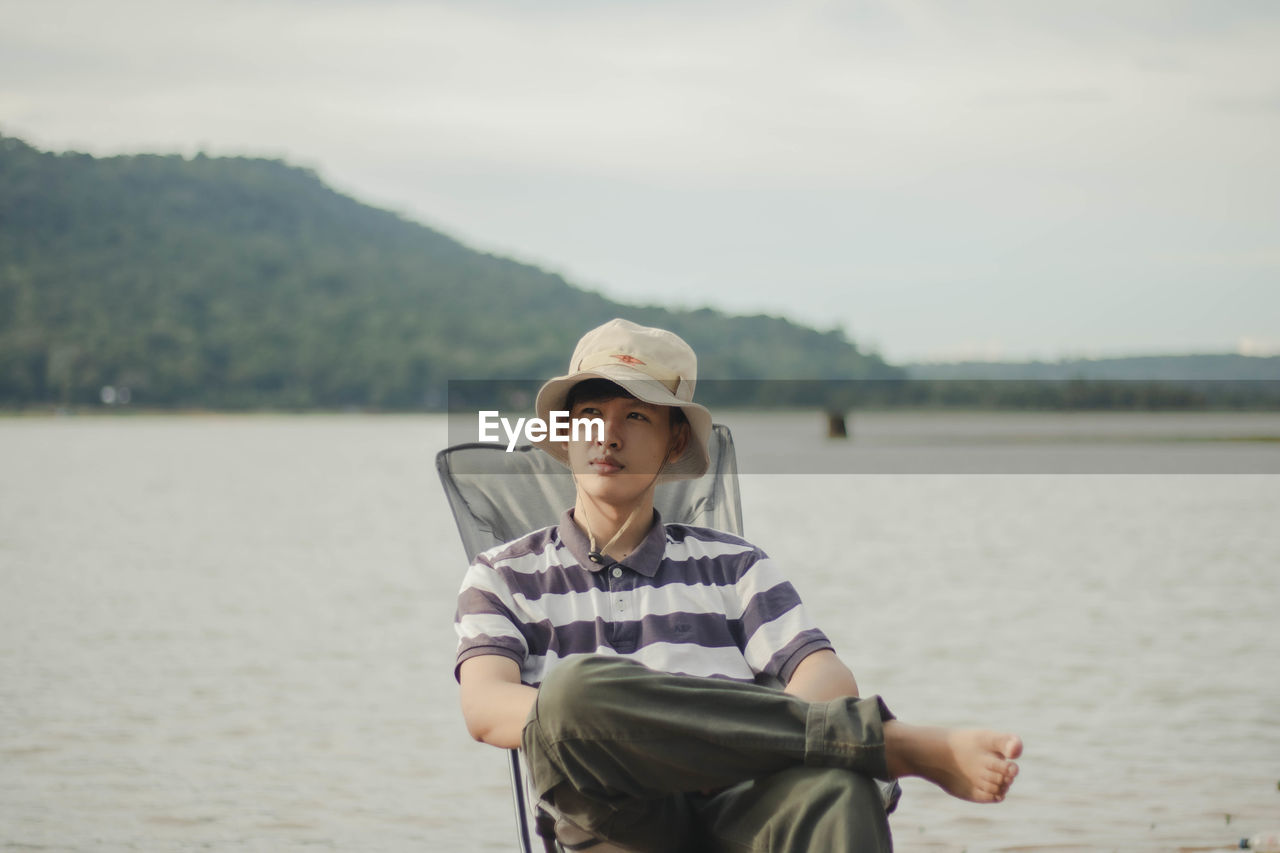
(617,572)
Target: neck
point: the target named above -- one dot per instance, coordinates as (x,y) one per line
(604,522)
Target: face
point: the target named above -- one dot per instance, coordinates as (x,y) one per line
(638,440)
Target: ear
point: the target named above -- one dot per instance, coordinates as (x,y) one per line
(679,441)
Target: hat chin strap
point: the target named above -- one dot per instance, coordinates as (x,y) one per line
(597,555)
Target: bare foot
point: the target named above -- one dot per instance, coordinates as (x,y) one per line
(972,764)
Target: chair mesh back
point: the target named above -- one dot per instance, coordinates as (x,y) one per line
(498,496)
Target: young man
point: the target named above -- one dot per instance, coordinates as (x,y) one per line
(626,655)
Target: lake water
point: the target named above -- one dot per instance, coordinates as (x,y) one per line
(234,633)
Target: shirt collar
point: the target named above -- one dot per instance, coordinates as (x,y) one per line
(644,559)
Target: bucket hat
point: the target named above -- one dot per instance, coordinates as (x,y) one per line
(653,365)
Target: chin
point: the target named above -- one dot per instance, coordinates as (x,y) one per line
(616,489)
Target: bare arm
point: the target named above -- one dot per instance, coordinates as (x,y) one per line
(821,677)
(494,702)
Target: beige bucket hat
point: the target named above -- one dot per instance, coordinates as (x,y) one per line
(654,365)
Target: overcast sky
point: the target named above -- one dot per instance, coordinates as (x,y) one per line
(941,179)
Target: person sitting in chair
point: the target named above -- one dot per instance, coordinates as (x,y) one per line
(631,658)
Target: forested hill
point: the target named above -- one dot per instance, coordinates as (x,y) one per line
(232,282)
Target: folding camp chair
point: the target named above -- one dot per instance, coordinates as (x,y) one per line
(497,496)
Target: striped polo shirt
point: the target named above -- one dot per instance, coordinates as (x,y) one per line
(688,600)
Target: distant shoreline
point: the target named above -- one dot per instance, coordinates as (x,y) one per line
(722,413)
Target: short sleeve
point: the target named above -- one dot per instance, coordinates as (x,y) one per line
(776,629)
(486,622)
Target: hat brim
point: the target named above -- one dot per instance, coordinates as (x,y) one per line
(691,464)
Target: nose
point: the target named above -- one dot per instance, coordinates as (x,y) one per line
(611,435)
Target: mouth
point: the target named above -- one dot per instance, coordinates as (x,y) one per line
(605,465)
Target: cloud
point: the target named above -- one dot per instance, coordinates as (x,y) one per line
(704,91)
(1265,104)
(810,158)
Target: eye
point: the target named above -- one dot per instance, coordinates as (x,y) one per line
(641,416)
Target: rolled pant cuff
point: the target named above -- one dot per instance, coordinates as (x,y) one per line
(848,733)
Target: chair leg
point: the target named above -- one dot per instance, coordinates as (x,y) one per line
(522,808)
(547,832)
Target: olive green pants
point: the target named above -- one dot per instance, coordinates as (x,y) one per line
(630,755)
